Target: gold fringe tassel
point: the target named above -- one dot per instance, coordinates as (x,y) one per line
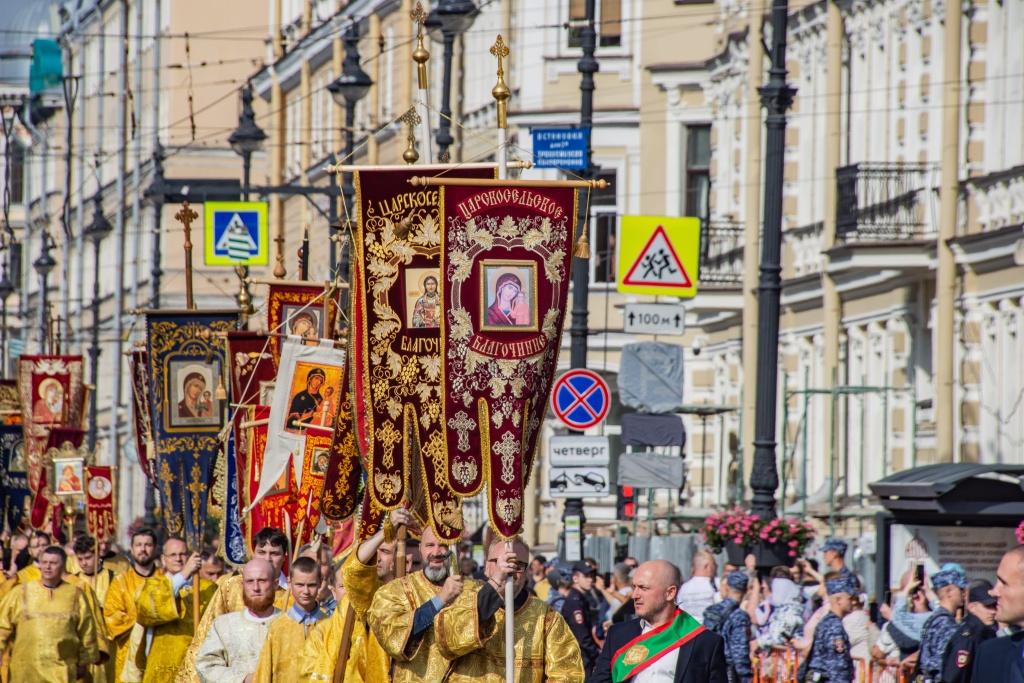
(582,248)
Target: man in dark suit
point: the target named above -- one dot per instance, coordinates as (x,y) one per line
(1002,659)
(665,643)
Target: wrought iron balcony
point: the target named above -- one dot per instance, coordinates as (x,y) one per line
(721,254)
(883,202)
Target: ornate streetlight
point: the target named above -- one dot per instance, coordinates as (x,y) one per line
(43,265)
(247,139)
(448,20)
(97,231)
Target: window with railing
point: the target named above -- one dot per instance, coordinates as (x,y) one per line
(607,23)
(877,202)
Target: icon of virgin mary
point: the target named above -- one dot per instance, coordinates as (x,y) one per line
(510,307)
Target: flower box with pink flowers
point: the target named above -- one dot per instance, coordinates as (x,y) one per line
(777,541)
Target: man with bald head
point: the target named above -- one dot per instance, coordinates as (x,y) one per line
(232,647)
(403,613)
(665,643)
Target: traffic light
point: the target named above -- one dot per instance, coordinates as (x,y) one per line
(625,503)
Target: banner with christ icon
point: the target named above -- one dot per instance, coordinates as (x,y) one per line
(306,394)
(271,508)
(99,502)
(395,334)
(505,272)
(303,309)
(186,368)
(51,394)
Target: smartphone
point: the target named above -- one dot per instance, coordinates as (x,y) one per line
(607,579)
(887,599)
(874,613)
(919,574)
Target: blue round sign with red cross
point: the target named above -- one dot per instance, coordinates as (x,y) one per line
(580,399)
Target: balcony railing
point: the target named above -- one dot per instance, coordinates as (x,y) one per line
(721,254)
(882,202)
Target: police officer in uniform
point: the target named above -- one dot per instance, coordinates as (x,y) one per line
(936,633)
(576,612)
(834,550)
(736,631)
(830,660)
(977,627)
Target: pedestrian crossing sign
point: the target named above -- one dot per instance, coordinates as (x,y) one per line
(658,255)
(236,234)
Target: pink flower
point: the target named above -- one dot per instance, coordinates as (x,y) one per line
(792,553)
(793,544)
(738,540)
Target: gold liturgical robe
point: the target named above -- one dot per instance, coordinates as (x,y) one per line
(26,575)
(117,563)
(52,631)
(281,656)
(367,661)
(545,649)
(171,618)
(98,672)
(119,613)
(227,599)
(391,616)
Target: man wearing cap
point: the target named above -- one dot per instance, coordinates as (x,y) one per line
(576,612)
(977,627)
(736,630)
(830,659)
(949,585)
(834,551)
(305,403)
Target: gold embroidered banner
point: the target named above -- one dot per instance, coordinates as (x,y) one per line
(505,266)
(52,395)
(99,502)
(301,309)
(395,337)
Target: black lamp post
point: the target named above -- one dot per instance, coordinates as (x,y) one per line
(776,98)
(247,139)
(448,20)
(44,265)
(6,286)
(97,231)
(347,89)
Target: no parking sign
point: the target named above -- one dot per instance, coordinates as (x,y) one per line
(580,399)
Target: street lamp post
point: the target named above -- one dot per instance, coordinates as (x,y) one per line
(447,21)
(776,98)
(43,265)
(6,286)
(247,139)
(97,231)
(347,90)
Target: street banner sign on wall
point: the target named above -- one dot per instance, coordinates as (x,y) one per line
(658,255)
(236,234)
(560,147)
(977,550)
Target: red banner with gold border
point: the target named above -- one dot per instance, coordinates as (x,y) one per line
(271,509)
(341,485)
(306,512)
(99,502)
(138,369)
(299,308)
(395,336)
(506,271)
(52,395)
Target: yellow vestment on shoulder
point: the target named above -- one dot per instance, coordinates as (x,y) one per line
(281,657)
(391,619)
(367,661)
(119,612)
(100,672)
(52,630)
(227,599)
(172,621)
(545,649)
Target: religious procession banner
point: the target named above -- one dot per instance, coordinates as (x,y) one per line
(340,498)
(10,402)
(306,513)
(138,369)
(306,394)
(505,278)
(185,369)
(16,500)
(395,333)
(52,394)
(252,366)
(232,542)
(304,309)
(100,517)
(61,478)
(273,506)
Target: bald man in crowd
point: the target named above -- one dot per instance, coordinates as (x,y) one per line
(665,641)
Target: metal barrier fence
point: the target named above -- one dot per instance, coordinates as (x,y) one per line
(781,666)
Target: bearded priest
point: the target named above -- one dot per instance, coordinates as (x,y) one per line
(664,643)
(268,544)
(472,634)
(232,648)
(402,616)
(119,607)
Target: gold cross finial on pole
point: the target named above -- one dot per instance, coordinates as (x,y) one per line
(420,54)
(185,216)
(412,119)
(500,92)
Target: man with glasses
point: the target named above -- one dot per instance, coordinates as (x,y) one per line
(576,612)
(545,648)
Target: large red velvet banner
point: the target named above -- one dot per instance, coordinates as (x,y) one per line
(52,395)
(395,336)
(505,265)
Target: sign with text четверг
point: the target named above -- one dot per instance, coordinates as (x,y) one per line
(560,147)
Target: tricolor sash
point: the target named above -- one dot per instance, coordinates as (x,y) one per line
(646,649)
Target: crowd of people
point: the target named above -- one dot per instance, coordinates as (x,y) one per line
(84,612)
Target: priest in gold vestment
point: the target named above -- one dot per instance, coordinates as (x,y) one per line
(165,607)
(359,578)
(472,634)
(269,544)
(94,584)
(119,610)
(281,655)
(49,625)
(402,616)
